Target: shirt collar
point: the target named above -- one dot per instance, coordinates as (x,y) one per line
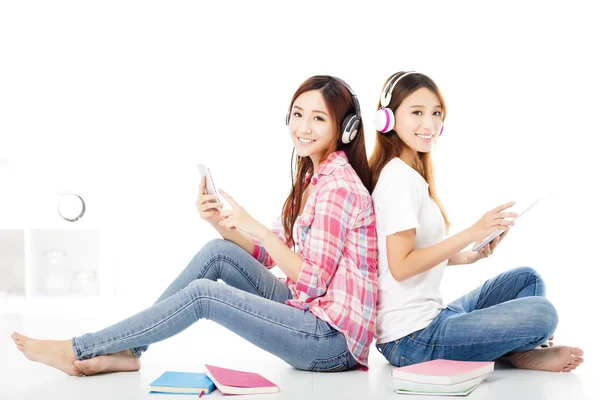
(332,162)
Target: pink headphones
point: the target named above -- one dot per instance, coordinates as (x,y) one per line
(384,117)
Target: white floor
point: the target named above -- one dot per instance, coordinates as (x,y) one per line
(209,343)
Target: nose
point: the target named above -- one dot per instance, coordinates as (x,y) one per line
(428,123)
(305,126)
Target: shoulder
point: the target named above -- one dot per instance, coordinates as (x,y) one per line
(345,183)
(397,175)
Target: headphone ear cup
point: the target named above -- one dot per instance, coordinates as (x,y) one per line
(287,118)
(349,128)
(384,120)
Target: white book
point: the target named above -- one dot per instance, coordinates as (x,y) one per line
(408,386)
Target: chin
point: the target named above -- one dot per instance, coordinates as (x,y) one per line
(302,152)
(424,149)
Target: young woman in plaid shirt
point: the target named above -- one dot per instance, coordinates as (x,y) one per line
(323,317)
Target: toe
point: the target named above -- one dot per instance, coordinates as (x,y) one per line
(576,351)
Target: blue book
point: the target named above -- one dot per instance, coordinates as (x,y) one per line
(182,383)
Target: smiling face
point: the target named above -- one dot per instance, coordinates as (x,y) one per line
(418,121)
(312,126)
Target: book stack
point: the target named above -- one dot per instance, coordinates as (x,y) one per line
(441,377)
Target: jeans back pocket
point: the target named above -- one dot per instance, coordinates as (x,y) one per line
(334,364)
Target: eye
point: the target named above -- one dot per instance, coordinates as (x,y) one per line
(319,118)
(297,114)
(418,112)
(437,113)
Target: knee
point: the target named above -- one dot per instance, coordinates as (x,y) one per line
(533,276)
(529,271)
(542,316)
(200,286)
(214,246)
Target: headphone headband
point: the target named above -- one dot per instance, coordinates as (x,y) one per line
(354,97)
(386,94)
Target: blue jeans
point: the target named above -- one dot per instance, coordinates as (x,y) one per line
(508,313)
(251,304)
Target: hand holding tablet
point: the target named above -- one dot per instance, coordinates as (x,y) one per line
(498,232)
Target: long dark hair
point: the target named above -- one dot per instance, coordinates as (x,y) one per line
(389,145)
(339,103)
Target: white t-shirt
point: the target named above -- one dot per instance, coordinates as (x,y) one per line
(402,202)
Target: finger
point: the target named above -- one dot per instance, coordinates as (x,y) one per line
(494,243)
(503,206)
(502,235)
(209,198)
(502,223)
(228,223)
(208,214)
(202,185)
(506,215)
(226,213)
(229,199)
(211,206)
(486,250)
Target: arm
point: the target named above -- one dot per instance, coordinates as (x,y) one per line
(405,262)
(278,253)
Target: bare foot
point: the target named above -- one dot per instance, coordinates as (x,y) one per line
(122,361)
(555,359)
(54,353)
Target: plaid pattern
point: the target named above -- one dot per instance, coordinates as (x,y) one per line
(337,240)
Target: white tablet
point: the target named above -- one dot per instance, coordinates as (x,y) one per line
(498,232)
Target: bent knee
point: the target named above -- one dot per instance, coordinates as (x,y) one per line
(529,271)
(542,316)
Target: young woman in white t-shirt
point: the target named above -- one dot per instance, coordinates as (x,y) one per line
(508,316)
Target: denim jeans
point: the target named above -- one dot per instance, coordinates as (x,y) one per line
(251,303)
(508,313)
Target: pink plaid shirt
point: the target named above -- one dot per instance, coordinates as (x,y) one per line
(337,240)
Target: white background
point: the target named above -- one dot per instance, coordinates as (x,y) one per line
(118,100)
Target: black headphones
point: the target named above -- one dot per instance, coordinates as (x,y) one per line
(349,127)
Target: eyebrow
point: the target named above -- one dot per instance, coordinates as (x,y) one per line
(317,111)
(420,106)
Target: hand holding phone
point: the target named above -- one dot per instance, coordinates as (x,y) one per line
(210,187)
(208,202)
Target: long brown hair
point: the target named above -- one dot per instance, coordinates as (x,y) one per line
(389,145)
(339,103)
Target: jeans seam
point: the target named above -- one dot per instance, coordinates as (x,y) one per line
(212,298)
(234,264)
(499,284)
(76,349)
(462,345)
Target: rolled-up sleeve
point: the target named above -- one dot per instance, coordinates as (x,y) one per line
(325,242)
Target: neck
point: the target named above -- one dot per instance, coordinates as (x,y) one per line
(408,155)
(316,160)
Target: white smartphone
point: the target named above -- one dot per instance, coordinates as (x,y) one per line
(210,184)
(498,232)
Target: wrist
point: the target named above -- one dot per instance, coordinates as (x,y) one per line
(263,233)
(469,235)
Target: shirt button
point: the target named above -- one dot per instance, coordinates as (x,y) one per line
(314,180)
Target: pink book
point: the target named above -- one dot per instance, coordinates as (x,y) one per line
(443,372)
(230,381)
